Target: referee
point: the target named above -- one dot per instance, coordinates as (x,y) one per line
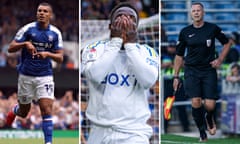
(200,76)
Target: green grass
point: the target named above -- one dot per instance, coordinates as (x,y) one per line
(39,141)
(175,139)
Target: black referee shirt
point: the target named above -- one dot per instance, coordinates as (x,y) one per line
(200,44)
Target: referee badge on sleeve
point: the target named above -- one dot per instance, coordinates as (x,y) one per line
(209,42)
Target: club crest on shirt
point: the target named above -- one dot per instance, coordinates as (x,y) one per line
(50,37)
(209,42)
(33,34)
(92,54)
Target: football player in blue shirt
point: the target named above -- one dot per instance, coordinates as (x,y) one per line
(39,43)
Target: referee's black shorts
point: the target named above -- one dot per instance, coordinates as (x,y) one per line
(201,83)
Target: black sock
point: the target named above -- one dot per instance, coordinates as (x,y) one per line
(198,116)
(210,118)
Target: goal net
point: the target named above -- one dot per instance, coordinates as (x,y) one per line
(148,30)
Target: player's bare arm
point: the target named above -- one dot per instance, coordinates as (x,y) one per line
(178,62)
(57,56)
(217,62)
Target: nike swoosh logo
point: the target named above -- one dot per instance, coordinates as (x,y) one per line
(191,35)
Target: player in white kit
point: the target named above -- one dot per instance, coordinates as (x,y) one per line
(119,72)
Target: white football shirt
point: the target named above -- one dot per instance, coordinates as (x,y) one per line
(118,80)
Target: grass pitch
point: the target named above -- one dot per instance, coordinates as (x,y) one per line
(175,139)
(39,141)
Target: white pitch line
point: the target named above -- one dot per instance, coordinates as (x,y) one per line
(174,142)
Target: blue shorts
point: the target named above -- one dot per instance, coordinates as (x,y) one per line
(201,83)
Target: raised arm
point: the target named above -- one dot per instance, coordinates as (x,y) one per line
(96,62)
(144,65)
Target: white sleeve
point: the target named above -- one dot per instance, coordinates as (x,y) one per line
(96,67)
(145,66)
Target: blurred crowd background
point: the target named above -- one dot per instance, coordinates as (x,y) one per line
(100,9)
(15,14)
(65,112)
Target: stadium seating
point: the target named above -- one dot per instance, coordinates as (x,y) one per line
(174,27)
(228,28)
(207,4)
(176,16)
(225,16)
(224,5)
(209,16)
(175,5)
(224,13)
(173,37)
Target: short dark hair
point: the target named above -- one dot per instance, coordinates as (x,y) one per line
(124,4)
(198,3)
(46,4)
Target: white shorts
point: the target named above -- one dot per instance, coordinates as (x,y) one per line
(34,88)
(108,135)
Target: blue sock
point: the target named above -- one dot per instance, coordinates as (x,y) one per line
(15,109)
(47,127)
